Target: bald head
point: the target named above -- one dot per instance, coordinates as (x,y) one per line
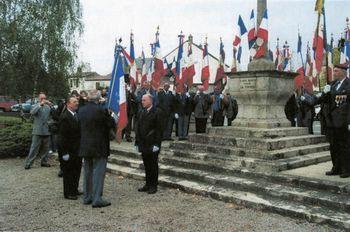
(147,101)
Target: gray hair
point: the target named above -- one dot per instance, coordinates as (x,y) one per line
(150,96)
(94,95)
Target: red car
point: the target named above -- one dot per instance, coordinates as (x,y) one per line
(5,103)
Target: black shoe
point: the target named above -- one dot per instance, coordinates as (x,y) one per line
(27,167)
(46,165)
(102,204)
(71,197)
(332,173)
(143,189)
(60,173)
(79,193)
(345,175)
(87,202)
(152,190)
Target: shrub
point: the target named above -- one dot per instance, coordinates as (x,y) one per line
(15,137)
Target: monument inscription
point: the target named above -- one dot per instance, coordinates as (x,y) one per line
(248,84)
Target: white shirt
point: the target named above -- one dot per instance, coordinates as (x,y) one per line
(339,84)
(73,113)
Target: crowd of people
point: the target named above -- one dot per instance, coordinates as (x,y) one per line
(80,127)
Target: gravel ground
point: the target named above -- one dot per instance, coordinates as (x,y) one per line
(33,200)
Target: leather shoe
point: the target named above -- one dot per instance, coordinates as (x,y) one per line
(45,165)
(71,197)
(152,190)
(143,189)
(27,167)
(102,204)
(332,173)
(345,175)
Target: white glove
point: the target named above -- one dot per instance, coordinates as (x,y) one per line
(327,89)
(198,92)
(176,115)
(137,148)
(302,98)
(155,149)
(349,127)
(318,95)
(221,96)
(188,94)
(65,157)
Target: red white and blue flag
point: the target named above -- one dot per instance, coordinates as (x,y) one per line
(237,48)
(117,94)
(144,69)
(190,70)
(180,67)
(159,70)
(286,57)
(318,46)
(220,72)
(130,58)
(278,57)
(262,37)
(252,35)
(205,74)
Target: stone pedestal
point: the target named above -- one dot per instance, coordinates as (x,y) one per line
(261,97)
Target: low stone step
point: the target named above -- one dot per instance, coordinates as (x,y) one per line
(305,160)
(247,132)
(311,213)
(262,144)
(254,153)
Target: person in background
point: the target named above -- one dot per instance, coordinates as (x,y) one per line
(201,103)
(40,134)
(231,109)
(166,100)
(183,111)
(291,109)
(148,142)
(219,102)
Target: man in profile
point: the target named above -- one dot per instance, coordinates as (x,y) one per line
(148,141)
(68,148)
(95,124)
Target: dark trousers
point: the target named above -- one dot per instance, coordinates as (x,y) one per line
(71,175)
(218,119)
(229,121)
(128,128)
(168,126)
(339,149)
(150,162)
(201,125)
(183,122)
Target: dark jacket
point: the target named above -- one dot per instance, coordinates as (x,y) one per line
(69,134)
(291,108)
(166,101)
(149,131)
(231,107)
(337,115)
(183,104)
(95,124)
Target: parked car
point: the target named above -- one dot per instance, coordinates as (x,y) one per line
(5,103)
(26,106)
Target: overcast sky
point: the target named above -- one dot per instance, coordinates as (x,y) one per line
(105,20)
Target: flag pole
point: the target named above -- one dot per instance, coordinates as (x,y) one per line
(325,43)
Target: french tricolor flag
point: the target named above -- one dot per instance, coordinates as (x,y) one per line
(144,69)
(252,34)
(242,31)
(262,37)
(117,95)
(205,67)
(130,58)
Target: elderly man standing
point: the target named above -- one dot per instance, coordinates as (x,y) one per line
(40,140)
(336,97)
(148,141)
(95,124)
(201,106)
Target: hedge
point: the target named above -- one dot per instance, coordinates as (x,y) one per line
(15,137)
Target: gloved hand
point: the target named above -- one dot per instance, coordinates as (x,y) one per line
(65,157)
(198,92)
(137,148)
(176,115)
(349,127)
(221,96)
(155,149)
(327,89)
(188,94)
(302,98)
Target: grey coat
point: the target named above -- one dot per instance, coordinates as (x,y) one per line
(41,115)
(201,105)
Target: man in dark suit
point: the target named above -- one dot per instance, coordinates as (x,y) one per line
(166,101)
(68,148)
(336,95)
(183,111)
(148,141)
(95,124)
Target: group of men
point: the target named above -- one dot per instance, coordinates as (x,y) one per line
(334,117)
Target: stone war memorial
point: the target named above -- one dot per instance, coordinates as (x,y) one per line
(119,136)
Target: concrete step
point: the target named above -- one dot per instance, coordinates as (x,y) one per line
(262,144)
(253,152)
(262,201)
(247,132)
